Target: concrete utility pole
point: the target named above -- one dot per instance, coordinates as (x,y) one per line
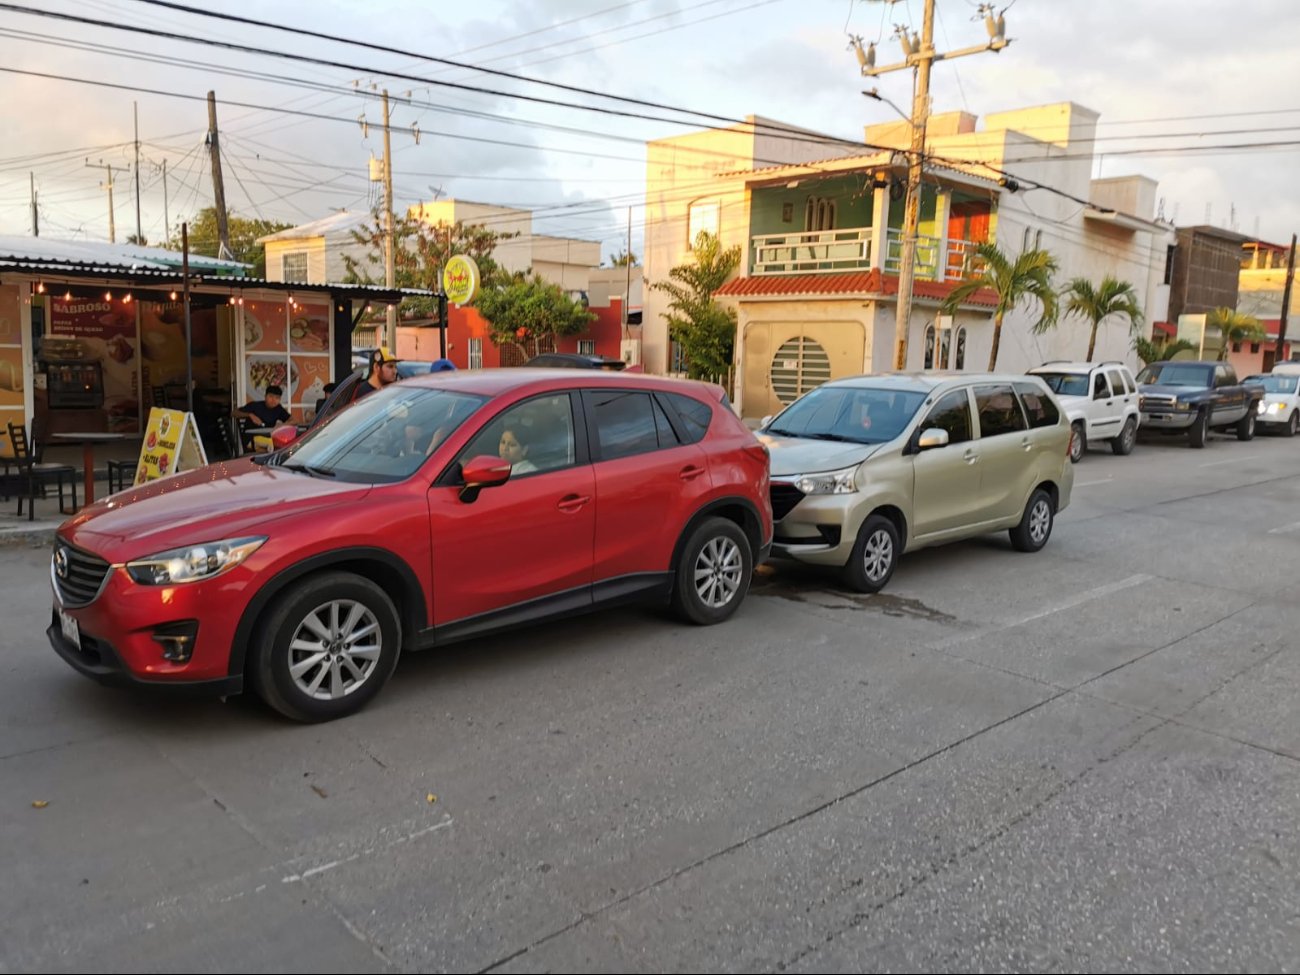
(167,217)
(36,217)
(108,185)
(139,231)
(920,55)
(218,185)
(390,327)
(1286,304)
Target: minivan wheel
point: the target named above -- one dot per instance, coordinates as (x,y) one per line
(874,556)
(713,573)
(1035,526)
(1291,425)
(328,645)
(1078,443)
(1122,445)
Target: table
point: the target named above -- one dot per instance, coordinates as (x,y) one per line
(88,441)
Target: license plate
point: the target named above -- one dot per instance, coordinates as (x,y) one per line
(71,631)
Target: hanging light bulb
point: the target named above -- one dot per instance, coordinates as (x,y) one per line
(108,296)
(173,296)
(126,299)
(40,287)
(68,296)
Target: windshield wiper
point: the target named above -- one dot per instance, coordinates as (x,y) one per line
(837,437)
(308,469)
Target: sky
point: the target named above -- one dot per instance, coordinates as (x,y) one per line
(1202,96)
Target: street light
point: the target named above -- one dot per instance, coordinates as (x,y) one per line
(873,93)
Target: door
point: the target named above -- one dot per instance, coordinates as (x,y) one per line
(946,480)
(1230,398)
(648,485)
(1005,450)
(1104,408)
(526,539)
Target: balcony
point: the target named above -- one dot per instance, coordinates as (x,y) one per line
(956,256)
(817,252)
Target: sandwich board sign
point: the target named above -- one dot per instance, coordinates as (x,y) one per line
(171,445)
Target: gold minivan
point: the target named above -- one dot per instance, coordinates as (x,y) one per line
(866,468)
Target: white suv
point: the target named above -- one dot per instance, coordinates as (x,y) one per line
(1100,400)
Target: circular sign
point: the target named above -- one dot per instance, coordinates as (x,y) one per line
(460,279)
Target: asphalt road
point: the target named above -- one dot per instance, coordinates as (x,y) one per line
(1085,759)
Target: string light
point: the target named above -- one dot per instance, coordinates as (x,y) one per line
(173,296)
(68,296)
(108,296)
(40,287)
(126,299)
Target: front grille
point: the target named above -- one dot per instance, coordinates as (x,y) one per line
(1157,402)
(83,578)
(784,498)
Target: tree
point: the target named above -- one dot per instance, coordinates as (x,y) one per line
(420,251)
(1096,304)
(140,240)
(1234,326)
(1149,351)
(705,330)
(1029,276)
(243,237)
(624,258)
(529,310)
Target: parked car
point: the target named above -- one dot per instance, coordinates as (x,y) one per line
(574,360)
(1100,401)
(1280,412)
(867,468)
(441,507)
(1192,397)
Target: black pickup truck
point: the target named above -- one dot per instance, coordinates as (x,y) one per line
(1196,397)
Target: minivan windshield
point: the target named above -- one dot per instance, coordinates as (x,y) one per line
(1176,374)
(1065,383)
(852,414)
(1274,384)
(382,437)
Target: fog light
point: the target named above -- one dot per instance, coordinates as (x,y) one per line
(177,640)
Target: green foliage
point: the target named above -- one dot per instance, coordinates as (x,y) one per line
(1096,304)
(1027,278)
(705,330)
(527,311)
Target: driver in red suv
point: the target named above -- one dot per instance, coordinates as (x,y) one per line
(269,572)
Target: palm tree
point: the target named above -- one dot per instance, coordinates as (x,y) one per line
(1234,326)
(1096,304)
(1028,276)
(1149,352)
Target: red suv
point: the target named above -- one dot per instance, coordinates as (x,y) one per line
(442,507)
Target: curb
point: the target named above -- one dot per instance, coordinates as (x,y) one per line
(38,536)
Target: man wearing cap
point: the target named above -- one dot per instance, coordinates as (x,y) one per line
(383,372)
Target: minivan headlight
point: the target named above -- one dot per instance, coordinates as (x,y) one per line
(829,482)
(193,562)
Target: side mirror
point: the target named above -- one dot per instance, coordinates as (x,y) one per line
(762,424)
(481,472)
(282,436)
(932,438)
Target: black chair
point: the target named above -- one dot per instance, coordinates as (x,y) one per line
(160,397)
(121,475)
(34,475)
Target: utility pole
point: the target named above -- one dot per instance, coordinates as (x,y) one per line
(218,186)
(627,292)
(920,55)
(139,231)
(1286,304)
(167,217)
(390,329)
(108,185)
(36,218)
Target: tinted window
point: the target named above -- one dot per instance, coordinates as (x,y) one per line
(999,411)
(1099,388)
(1224,376)
(667,435)
(625,424)
(535,436)
(1128,380)
(1040,409)
(1116,382)
(952,413)
(1176,374)
(695,416)
(1065,383)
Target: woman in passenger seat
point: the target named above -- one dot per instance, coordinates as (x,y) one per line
(514,448)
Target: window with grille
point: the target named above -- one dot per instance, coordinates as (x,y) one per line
(586,346)
(798,366)
(959,350)
(476,353)
(294,267)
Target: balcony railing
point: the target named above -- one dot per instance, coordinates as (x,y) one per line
(957,256)
(818,252)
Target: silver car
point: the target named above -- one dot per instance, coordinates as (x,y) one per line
(866,468)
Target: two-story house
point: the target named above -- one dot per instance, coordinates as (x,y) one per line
(820,228)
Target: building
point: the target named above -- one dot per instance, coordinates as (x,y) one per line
(1204,275)
(1260,285)
(820,228)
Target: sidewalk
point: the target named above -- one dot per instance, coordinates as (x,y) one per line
(39,532)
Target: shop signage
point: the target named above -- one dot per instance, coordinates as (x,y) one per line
(171,445)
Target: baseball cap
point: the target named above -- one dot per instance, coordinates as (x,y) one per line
(382,355)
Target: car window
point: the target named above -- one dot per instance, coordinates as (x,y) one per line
(667,435)
(1285,385)
(1065,383)
(1100,389)
(381,438)
(1040,409)
(853,414)
(625,423)
(952,413)
(1224,376)
(999,411)
(1116,382)
(1128,380)
(536,436)
(695,416)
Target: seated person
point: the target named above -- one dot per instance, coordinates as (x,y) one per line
(514,448)
(267,413)
(320,403)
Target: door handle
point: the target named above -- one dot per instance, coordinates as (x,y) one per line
(971,457)
(572,502)
(1027,444)
(690,472)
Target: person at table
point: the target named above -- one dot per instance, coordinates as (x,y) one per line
(267,413)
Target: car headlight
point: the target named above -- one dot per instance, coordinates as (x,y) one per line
(193,562)
(1273,407)
(829,482)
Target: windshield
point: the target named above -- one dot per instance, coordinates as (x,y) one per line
(1274,384)
(381,438)
(1176,374)
(1065,383)
(849,413)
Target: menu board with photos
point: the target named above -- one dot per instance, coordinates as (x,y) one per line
(287,345)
